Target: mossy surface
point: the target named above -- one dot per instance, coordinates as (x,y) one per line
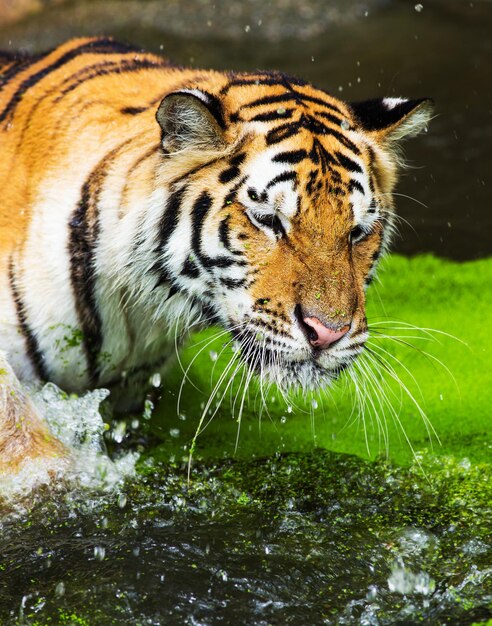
(316,538)
(448,373)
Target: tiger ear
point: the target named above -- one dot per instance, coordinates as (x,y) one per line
(191,119)
(393,118)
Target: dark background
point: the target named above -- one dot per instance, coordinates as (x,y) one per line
(354,49)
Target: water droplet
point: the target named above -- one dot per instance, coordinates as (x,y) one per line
(283,419)
(419,7)
(340,88)
(174,432)
(155,380)
(281,111)
(289,409)
(148,408)
(314,404)
(119,431)
(99,552)
(60,590)
(136,551)
(122,500)
(312,59)
(213,355)
(247,28)
(182,417)
(260,22)
(135,423)
(345,124)
(404,581)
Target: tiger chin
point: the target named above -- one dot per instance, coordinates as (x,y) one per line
(141,200)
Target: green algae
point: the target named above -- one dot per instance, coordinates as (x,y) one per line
(448,372)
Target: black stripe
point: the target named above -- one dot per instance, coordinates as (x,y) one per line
(347,162)
(214,105)
(19,65)
(195,170)
(264,79)
(170,218)
(231,196)
(282,178)
(284,131)
(330,117)
(233,170)
(133,110)
(33,350)
(354,184)
(190,269)
(320,156)
(224,232)
(200,210)
(229,174)
(83,235)
(323,103)
(293,95)
(276,99)
(271,116)
(233,283)
(97,46)
(312,177)
(224,236)
(350,145)
(290,156)
(105,69)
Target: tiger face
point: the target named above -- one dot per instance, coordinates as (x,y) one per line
(288,225)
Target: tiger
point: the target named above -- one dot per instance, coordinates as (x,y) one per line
(142,200)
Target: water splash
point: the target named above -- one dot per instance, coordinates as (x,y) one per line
(76,421)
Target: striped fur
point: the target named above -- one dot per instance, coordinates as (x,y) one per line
(250,197)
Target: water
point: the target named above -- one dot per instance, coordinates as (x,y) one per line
(315,538)
(78,424)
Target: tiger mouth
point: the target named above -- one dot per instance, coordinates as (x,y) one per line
(272,362)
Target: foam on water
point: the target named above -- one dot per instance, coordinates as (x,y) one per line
(76,421)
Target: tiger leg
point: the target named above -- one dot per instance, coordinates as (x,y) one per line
(24,435)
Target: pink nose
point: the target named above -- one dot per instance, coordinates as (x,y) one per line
(321,336)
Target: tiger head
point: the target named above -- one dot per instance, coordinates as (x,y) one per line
(287,195)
